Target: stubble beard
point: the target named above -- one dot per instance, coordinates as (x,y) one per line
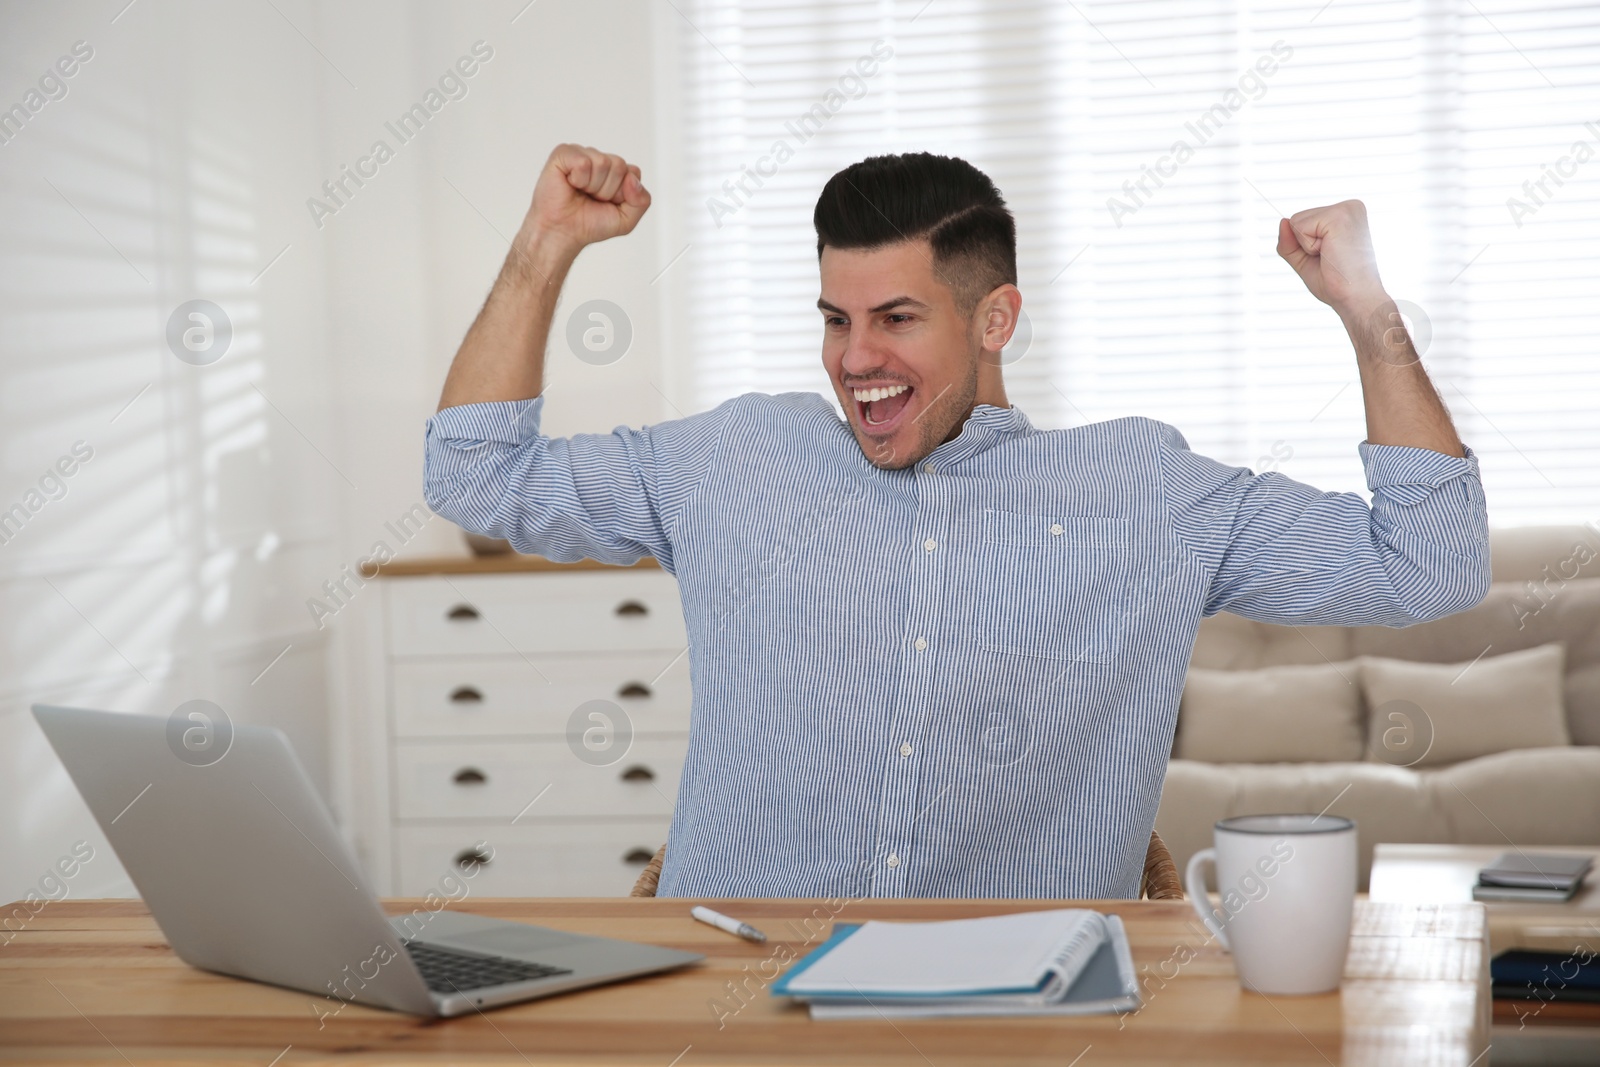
(935,425)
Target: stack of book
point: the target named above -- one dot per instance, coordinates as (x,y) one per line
(1564,977)
(1067,961)
(1532,877)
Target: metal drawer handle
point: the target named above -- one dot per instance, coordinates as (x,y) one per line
(462,613)
(466,694)
(471,857)
(471,776)
(638,857)
(638,773)
(632,607)
(634,691)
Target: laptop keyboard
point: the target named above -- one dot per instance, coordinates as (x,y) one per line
(448,971)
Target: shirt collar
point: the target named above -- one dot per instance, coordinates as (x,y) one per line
(986,427)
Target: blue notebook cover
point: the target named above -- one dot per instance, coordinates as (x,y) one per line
(780,988)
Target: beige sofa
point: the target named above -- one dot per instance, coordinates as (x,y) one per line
(1546,589)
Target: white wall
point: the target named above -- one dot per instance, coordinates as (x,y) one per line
(180,559)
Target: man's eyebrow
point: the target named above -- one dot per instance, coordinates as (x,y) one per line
(887,305)
(900,301)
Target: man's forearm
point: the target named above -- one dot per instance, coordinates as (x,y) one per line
(1331,249)
(583,195)
(502,356)
(1402,406)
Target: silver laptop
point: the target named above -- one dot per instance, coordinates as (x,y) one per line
(241,865)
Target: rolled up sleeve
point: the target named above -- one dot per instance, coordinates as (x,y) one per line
(1282,551)
(611,497)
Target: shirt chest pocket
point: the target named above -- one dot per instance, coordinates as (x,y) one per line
(1055,586)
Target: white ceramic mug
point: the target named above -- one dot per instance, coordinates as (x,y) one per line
(1288,885)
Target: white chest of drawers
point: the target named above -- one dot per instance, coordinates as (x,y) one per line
(535,717)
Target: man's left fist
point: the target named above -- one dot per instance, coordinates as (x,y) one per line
(1331,249)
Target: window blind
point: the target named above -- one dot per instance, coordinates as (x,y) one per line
(1148,148)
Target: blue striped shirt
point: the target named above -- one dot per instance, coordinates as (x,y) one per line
(959,679)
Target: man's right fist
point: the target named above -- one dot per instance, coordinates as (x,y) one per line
(585,195)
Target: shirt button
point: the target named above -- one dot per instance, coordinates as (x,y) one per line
(921,644)
(930,544)
(927,468)
(1057,530)
(905,749)
(892,861)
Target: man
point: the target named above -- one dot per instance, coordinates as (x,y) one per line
(934,651)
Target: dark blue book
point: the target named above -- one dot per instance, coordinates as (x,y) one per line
(1526,974)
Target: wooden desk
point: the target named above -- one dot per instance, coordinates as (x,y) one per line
(1416,874)
(94,981)
(1528,1031)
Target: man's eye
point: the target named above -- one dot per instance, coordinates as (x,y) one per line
(833,320)
(898,318)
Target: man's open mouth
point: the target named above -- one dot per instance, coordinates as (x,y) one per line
(881,407)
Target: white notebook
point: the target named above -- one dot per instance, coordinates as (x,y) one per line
(1064,961)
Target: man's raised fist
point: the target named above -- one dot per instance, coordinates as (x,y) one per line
(585,195)
(1331,249)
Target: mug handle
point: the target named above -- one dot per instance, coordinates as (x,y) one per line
(1196,887)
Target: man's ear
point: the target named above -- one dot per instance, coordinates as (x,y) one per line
(996,317)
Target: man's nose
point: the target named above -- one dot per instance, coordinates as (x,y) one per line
(861,355)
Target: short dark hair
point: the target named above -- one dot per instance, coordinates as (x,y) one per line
(886,199)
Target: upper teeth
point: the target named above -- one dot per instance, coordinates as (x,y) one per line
(866,396)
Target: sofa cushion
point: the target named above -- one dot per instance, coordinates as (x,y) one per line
(1571,615)
(1388,804)
(1513,616)
(1533,796)
(1427,714)
(1293,714)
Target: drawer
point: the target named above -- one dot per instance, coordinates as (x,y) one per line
(536,696)
(482,780)
(590,611)
(555,860)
